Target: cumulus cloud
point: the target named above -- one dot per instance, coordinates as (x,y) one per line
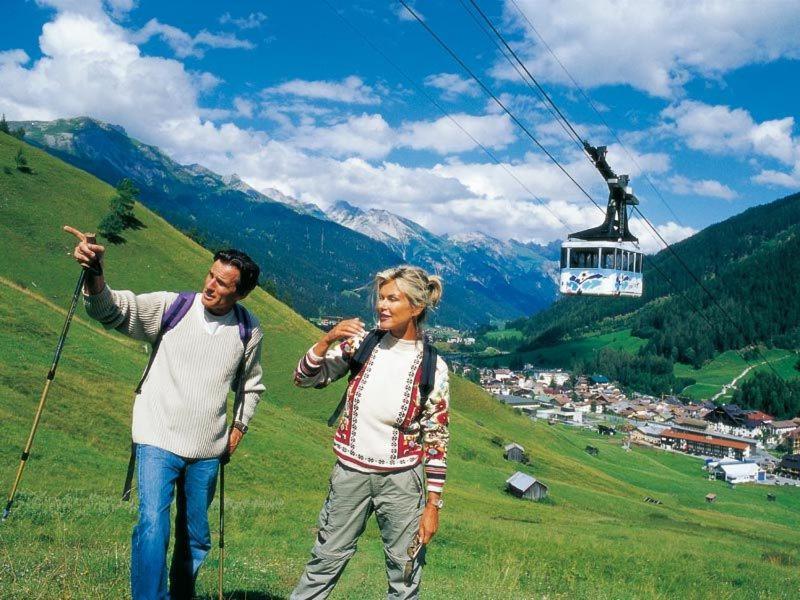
(403,14)
(95,8)
(444,137)
(184,44)
(369,136)
(452,86)
(655,46)
(252,21)
(718,129)
(351,90)
(90,67)
(649,242)
(701,187)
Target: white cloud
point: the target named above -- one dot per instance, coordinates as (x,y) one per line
(701,187)
(671,232)
(452,86)
(403,14)
(13,57)
(89,67)
(369,136)
(717,129)
(184,44)
(94,8)
(444,137)
(252,21)
(244,108)
(351,90)
(655,46)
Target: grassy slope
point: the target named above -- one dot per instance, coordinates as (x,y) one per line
(68,535)
(729,365)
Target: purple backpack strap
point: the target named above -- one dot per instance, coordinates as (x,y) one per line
(176,311)
(171,317)
(245,324)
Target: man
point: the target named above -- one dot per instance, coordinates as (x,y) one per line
(179,415)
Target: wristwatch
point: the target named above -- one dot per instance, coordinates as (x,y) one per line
(240,426)
(437,503)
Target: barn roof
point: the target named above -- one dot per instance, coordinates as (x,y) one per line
(522,481)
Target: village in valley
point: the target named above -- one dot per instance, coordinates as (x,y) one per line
(736,445)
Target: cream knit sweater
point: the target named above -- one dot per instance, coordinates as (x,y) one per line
(183,403)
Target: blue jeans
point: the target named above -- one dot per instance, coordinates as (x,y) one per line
(158,473)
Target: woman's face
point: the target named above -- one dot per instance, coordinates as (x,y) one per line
(394,309)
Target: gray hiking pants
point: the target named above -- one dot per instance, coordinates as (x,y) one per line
(397,500)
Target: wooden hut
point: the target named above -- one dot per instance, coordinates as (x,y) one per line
(524,486)
(514,452)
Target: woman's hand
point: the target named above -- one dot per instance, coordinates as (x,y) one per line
(348,328)
(429,523)
(345,329)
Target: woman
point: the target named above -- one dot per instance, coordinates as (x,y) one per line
(388,435)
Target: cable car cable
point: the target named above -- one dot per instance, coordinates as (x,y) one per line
(581,142)
(444,111)
(597,112)
(537,90)
(497,100)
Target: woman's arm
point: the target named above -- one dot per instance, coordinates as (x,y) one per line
(435,424)
(323,365)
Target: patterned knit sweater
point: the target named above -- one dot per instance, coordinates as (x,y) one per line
(384,427)
(183,403)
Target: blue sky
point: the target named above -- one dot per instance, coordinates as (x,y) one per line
(289,96)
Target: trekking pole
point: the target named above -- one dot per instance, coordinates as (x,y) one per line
(221,528)
(50,376)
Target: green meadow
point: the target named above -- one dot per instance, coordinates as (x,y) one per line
(727,366)
(68,535)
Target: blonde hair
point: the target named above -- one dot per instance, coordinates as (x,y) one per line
(421,289)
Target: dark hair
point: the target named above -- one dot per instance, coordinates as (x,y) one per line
(248,269)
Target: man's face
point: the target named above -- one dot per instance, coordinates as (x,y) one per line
(219,290)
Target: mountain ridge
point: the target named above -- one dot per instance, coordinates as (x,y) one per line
(302,247)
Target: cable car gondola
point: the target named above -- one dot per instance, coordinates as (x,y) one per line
(604,260)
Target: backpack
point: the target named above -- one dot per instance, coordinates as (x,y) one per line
(362,355)
(173,315)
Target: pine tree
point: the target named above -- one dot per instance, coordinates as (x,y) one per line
(4,124)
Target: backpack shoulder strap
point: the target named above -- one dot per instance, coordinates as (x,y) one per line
(357,362)
(245,322)
(361,356)
(176,311)
(429,359)
(171,317)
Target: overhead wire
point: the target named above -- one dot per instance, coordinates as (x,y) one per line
(497,100)
(522,126)
(449,116)
(570,133)
(597,112)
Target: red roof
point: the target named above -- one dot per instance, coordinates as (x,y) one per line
(757,415)
(705,439)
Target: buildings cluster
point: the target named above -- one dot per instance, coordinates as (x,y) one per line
(722,432)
